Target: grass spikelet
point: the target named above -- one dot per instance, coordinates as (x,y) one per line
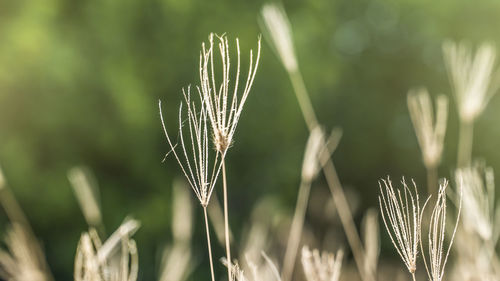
(223,103)
(200,171)
(402,216)
(438,255)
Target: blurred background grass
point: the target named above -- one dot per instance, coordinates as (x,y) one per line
(80,81)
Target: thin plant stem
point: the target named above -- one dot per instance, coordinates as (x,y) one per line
(346,217)
(303,99)
(413,276)
(296,230)
(432,179)
(465,139)
(226,220)
(332,178)
(209,244)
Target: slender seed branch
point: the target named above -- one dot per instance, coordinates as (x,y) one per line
(209,244)
(226,220)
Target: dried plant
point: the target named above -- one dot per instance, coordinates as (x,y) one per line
(96,261)
(321,267)
(310,168)
(402,216)
(200,171)
(471,76)
(317,149)
(25,260)
(473,87)
(223,103)
(224,106)
(430,129)
(278,31)
(480,228)
(438,255)
(87,195)
(277,27)
(479,214)
(371,241)
(177,258)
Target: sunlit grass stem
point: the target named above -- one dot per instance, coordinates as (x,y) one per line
(209,243)
(296,230)
(226,219)
(331,176)
(465,140)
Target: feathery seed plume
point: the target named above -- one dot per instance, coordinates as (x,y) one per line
(430,131)
(471,76)
(402,216)
(438,255)
(200,172)
(222,102)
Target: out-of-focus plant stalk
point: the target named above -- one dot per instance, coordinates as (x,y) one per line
(296,230)
(279,34)
(465,140)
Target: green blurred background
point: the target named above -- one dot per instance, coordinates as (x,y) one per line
(80,82)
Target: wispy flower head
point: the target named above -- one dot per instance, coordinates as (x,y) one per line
(222,102)
(402,216)
(471,76)
(438,255)
(279,32)
(478,186)
(321,267)
(430,131)
(200,169)
(96,261)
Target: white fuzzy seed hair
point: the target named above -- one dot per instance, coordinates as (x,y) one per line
(438,255)
(200,171)
(278,30)
(402,216)
(471,76)
(321,267)
(222,102)
(430,131)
